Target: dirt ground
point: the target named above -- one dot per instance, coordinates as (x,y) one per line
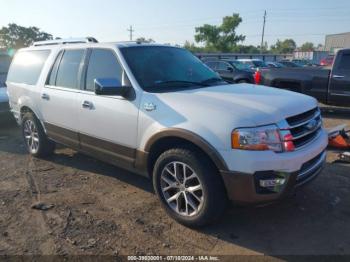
(102,210)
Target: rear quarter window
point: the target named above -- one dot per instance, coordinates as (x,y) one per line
(27,66)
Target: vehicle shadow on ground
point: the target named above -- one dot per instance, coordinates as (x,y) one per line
(10,137)
(85,163)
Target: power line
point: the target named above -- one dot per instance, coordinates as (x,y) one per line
(131,31)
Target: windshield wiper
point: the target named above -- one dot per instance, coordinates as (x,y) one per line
(180,82)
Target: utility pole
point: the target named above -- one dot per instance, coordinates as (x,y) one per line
(131,32)
(263,33)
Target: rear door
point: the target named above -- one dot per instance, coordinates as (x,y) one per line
(107,124)
(59,97)
(339,84)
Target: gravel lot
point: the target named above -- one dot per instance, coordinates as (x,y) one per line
(100,209)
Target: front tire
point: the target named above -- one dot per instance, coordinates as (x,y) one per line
(189,187)
(35,139)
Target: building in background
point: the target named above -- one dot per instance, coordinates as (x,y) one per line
(337,41)
(313,56)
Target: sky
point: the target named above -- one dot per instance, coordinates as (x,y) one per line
(174,21)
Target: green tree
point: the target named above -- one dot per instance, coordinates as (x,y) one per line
(284,47)
(221,38)
(307,47)
(246,49)
(14,36)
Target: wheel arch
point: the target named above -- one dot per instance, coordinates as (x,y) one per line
(27,109)
(173,137)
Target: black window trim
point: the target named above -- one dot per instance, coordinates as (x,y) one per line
(54,70)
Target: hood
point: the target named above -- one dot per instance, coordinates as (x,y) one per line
(242,104)
(3,95)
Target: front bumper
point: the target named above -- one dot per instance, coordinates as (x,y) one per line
(246,188)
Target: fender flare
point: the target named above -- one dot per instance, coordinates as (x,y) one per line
(193,138)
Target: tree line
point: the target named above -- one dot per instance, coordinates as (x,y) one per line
(211,38)
(223,38)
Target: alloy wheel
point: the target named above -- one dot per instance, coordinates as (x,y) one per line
(31,136)
(182,189)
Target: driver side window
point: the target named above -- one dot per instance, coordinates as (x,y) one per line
(102,64)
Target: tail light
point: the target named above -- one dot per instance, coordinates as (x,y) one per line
(257,77)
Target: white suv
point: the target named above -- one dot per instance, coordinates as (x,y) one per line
(159,111)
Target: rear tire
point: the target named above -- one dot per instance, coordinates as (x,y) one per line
(189,187)
(35,139)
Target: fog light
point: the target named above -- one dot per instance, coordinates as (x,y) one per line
(266,183)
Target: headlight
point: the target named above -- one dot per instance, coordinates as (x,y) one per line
(259,138)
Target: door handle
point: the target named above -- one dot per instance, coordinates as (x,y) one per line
(338,76)
(45,96)
(87,104)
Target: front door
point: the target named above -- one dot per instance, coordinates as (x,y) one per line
(107,124)
(339,85)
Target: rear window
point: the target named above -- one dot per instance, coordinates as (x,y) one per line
(26,66)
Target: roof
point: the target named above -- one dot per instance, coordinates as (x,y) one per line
(339,34)
(79,43)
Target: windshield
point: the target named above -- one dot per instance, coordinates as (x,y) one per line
(239,65)
(160,67)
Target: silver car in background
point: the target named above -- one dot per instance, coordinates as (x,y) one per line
(5,61)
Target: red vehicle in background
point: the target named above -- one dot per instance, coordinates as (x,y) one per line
(328,61)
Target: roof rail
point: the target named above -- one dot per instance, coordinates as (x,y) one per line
(66,41)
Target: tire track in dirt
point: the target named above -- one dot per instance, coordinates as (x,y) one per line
(48,246)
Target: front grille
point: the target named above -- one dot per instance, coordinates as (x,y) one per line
(311,168)
(304,127)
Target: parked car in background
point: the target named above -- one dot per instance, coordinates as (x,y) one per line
(274,65)
(328,61)
(288,63)
(5,62)
(4,101)
(253,63)
(232,71)
(330,86)
(158,111)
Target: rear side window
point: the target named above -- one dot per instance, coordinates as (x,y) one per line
(67,74)
(344,63)
(26,66)
(102,64)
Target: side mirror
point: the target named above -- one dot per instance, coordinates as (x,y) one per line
(229,68)
(109,86)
